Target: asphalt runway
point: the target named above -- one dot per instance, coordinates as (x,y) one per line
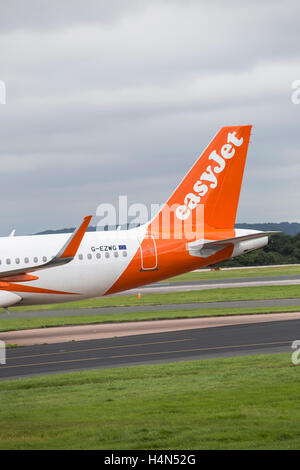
(204,343)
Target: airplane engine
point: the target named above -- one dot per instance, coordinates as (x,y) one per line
(7,299)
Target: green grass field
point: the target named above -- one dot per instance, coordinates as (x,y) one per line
(249,402)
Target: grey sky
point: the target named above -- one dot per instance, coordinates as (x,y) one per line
(106,98)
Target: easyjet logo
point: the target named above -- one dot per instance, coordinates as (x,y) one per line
(209,178)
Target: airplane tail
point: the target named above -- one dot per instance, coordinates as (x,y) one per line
(214,182)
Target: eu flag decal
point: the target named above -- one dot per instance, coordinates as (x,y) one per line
(122,247)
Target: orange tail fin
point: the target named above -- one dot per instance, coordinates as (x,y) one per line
(214,181)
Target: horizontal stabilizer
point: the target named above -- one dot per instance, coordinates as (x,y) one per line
(206,248)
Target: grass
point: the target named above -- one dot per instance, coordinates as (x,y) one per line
(238,273)
(249,402)
(207,295)
(15,324)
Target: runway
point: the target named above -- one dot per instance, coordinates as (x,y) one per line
(191,344)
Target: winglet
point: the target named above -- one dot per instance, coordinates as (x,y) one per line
(64,256)
(70,248)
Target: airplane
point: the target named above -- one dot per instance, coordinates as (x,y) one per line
(45,269)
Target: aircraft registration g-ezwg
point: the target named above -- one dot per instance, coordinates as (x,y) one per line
(40,269)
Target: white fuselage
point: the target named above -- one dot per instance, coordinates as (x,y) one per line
(97,265)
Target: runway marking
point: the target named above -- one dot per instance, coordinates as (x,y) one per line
(99,349)
(205,349)
(147,354)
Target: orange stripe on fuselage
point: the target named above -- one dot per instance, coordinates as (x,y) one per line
(173,258)
(10,286)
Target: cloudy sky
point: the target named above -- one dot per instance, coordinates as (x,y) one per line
(119,97)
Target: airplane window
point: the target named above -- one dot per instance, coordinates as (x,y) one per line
(89,256)
(26,260)
(98,255)
(8,261)
(106,255)
(116,254)
(125,253)
(80,257)
(17,260)
(35,260)
(44,259)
